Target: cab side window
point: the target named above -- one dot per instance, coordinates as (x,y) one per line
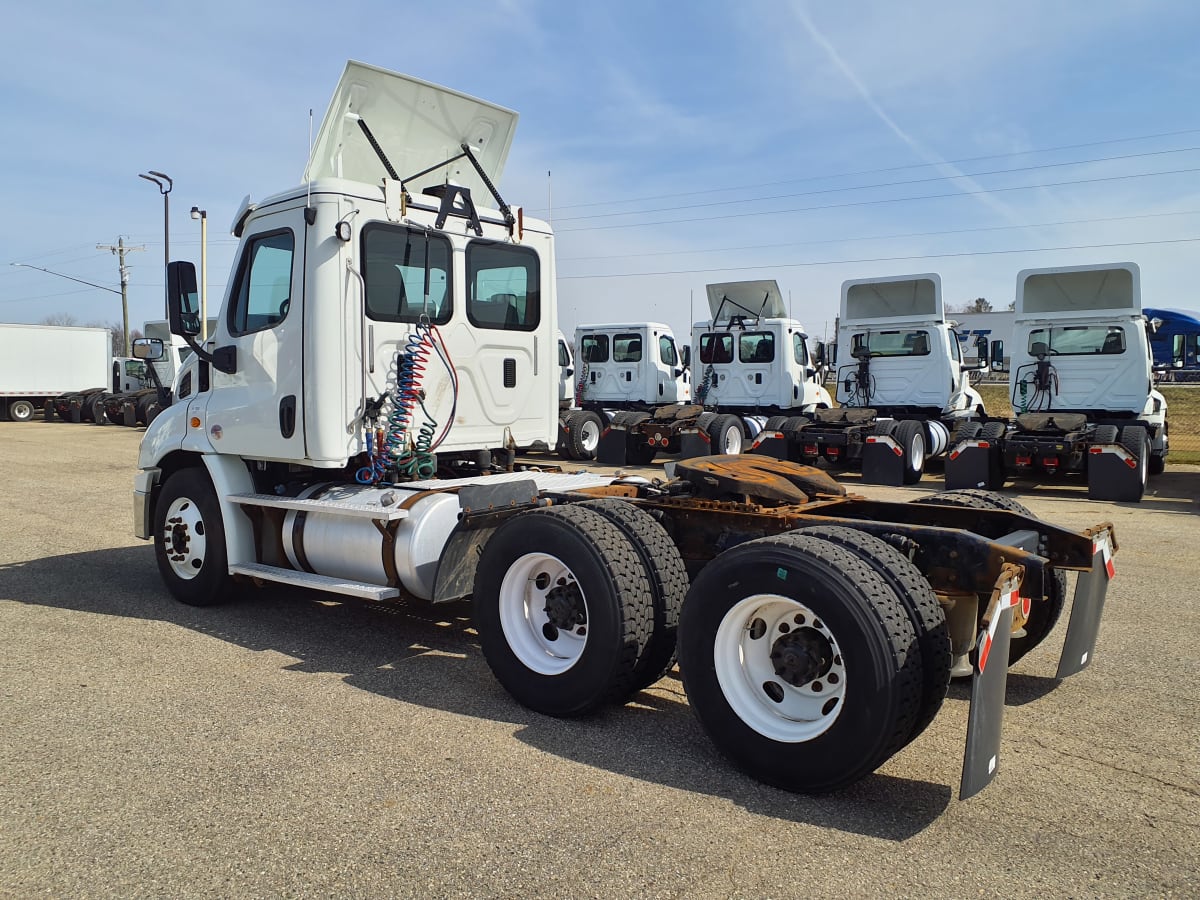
(667,354)
(504,287)
(263,294)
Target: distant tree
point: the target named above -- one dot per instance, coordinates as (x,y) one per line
(118,335)
(978,305)
(1012,305)
(60,319)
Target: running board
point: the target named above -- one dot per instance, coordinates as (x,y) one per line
(327,507)
(261,572)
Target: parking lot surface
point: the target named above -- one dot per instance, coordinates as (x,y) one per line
(292,744)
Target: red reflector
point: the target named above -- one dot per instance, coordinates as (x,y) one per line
(983,444)
(834,451)
(954,453)
(1131,462)
(898,451)
(1095,450)
(810,449)
(1049,460)
(1024,460)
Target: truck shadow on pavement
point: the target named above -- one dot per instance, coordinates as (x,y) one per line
(429,656)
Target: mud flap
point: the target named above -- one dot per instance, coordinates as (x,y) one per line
(990,661)
(969,465)
(693,444)
(611,450)
(1112,474)
(75,412)
(770,443)
(129,415)
(882,461)
(1086,609)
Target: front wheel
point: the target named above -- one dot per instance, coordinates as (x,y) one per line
(21,410)
(189,539)
(800,662)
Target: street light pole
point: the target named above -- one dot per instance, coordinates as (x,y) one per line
(202,215)
(165,189)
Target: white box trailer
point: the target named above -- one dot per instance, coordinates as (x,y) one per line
(40,362)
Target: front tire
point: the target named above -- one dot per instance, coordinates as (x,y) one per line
(189,539)
(797,657)
(21,410)
(563,609)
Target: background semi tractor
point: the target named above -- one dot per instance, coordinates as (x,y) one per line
(41,362)
(902,385)
(385,343)
(1082,388)
(751,366)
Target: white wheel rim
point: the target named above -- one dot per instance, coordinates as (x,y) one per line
(184,538)
(733,440)
(589,435)
(763,698)
(541,641)
(918,452)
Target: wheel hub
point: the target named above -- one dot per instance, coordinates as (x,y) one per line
(179,537)
(802,656)
(564,608)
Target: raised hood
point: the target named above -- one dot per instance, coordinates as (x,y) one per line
(417,124)
(759,299)
(904,297)
(1065,291)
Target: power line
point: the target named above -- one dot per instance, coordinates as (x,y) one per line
(777,212)
(949,162)
(875,259)
(881,237)
(864,187)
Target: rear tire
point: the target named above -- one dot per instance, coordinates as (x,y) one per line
(797,657)
(1043,613)
(1136,440)
(726,435)
(583,434)
(668,580)
(563,626)
(189,539)
(924,612)
(910,435)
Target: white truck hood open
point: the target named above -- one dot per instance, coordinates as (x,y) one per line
(907,297)
(760,299)
(417,124)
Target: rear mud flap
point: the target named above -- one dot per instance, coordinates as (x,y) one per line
(693,444)
(990,661)
(770,443)
(882,461)
(1110,475)
(970,465)
(612,447)
(1086,609)
(129,415)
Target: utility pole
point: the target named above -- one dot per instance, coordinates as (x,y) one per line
(119,251)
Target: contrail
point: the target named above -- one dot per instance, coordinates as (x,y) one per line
(933,159)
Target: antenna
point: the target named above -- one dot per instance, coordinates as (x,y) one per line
(549,200)
(308,199)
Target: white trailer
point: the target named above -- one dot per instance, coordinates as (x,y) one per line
(387,340)
(41,362)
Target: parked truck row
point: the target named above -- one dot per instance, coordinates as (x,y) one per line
(388,341)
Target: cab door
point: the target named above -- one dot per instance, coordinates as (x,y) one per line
(257,410)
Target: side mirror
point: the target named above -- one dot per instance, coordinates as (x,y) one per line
(819,353)
(146,348)
(685,353)
(183,299)
(981,350)
(831,353)
(997,357)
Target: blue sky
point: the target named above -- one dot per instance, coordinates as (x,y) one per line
(686,143)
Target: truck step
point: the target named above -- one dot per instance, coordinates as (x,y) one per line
(318,582)
(328,507)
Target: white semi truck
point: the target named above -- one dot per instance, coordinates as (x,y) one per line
(387,340)
(753,367)
(41,362)
(1081,379)
(903,388)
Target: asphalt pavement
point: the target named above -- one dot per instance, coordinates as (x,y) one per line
(292,744)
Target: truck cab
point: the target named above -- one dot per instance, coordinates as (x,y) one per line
(752,358)
(630,365)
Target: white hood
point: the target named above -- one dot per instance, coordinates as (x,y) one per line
(417,124)
(760,299)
